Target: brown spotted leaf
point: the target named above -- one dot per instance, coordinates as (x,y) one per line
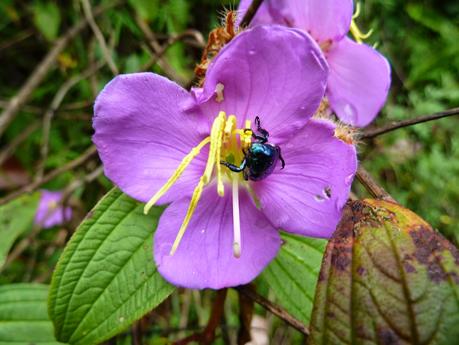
(387,278)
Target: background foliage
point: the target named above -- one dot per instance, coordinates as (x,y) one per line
(419,165)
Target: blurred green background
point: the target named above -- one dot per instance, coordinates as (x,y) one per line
(418,165)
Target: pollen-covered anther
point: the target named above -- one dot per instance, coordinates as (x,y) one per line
(219,92)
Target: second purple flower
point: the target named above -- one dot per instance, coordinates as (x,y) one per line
(359,78)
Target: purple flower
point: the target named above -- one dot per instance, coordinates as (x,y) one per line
(359,78)
(162,145)
(50,212)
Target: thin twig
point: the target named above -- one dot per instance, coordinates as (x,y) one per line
(51,175)
(27,108)
(93,82)
(371,186)
(158,51)
(246,307)
(42,69)
(78,105)
(18,140)
(250,13)
(207,336)
(16,39)
(273,308)
(82,181)
(374,132)
(199,42)
(81,105)
(198,39)
(55,104)
(100,38)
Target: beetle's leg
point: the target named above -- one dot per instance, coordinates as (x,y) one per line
(264,134)
(280,156)
(235,168)
(260,138)
(246,176)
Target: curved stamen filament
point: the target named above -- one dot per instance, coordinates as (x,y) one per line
(216,135)
(358,35)
(236,220)
(355,31)
(357,10)
(185,162)
(191,208)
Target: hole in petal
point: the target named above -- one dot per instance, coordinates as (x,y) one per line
(319,198)
(327,192)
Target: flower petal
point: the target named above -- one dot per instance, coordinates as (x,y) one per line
(323,19)
(142,134)
(50,211)
(204,258)
(273,72)
(307,196)
(358,82)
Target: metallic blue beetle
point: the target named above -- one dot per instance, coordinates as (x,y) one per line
(261,159)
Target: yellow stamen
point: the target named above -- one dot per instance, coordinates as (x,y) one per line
(229,142)
(358,35)
(191,208)
(216,135)
(230,127)
(357,11)
(216,132)
(247,136)
(185,162)
(355,31)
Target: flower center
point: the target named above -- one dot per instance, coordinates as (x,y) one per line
(227,142)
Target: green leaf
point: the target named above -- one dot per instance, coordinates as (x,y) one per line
(292,275)
(146,9)
(16,218)
(387,278)
(23,316)
(47,18)
(106,277)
